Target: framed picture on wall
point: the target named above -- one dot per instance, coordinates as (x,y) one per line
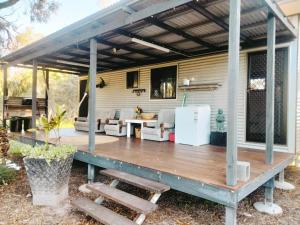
(132,79)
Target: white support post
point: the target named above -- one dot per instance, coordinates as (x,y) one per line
(282,184)
(268,205)
(270,81)
(34,95)
(233,75)
(231,215)
(5,93)
(92,104)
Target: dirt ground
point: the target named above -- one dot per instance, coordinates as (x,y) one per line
(175,208)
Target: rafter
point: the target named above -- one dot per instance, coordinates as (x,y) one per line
(204,12)
(126,47)
(132,35)
(179,32)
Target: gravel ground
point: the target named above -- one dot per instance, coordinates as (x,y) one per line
(175,208)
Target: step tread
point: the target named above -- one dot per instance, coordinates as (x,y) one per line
(133,202)
(100,213)
(140,182)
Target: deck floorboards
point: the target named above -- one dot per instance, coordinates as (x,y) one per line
(206,164)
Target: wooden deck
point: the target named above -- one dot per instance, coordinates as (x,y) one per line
(205,164)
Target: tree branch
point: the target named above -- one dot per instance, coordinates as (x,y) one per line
(8,3)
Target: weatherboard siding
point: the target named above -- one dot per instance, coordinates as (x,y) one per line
(201,70)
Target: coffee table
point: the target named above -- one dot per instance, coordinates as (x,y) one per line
(137,121)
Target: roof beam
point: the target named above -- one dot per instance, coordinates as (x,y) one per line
(126,47)
(56,45)
(208,22)
(204,12)
(72,60)
(59,66)
(280,16)
(179,32)
(100,52)
(132,35)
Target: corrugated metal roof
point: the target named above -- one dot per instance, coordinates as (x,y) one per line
(182,29)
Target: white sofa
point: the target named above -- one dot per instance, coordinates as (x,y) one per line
(119,127)
(160,131)
(102,117)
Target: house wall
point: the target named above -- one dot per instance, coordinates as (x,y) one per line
(200,70)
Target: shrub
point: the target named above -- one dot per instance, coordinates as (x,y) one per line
(16,147)
(49,152)
(6,174)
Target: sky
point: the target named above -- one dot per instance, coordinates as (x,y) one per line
(69,11)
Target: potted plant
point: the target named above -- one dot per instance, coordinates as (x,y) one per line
(219,137)
(48,166)
(138,111)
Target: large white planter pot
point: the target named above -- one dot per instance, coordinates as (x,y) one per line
(48,182)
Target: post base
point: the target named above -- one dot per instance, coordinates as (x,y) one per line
(283,185)
(84,189)
(268,208)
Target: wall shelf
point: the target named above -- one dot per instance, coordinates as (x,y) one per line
(200,87)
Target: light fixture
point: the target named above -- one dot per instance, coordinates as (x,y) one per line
(72,63)
(148,44)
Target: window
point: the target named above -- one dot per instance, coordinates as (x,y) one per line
(256,97)
(163,83)
(132,79)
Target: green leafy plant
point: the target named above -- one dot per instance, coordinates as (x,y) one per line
(7,174)
(54,123)
(49,153)
(16,148)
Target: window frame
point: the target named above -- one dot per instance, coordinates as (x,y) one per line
(176,86)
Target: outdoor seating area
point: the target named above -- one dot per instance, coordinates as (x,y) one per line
(192,96)
(156,127)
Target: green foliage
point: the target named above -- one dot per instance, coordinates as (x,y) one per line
(49,153)
(7,175)
(16,147)
(52,123)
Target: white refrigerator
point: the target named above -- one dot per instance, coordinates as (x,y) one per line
(192,125)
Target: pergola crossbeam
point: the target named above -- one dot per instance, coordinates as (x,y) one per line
(132,35)
(179,32)
(211,17)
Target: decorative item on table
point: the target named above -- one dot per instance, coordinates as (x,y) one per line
(148,116)
(138,111)
(219,137)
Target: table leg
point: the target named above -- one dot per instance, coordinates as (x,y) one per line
(142,136)
(128,129)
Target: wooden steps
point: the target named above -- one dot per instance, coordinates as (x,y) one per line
(100,213)
(130,201)
(110,192)
(140,182)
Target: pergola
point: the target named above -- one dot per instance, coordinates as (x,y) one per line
(131,33)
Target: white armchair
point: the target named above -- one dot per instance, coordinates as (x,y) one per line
(102,117)
(161,130)
(119,127)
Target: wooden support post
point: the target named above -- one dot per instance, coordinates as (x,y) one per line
(233,76)
(47,93)
(34,94)
(92,104)
(5,94)
(270,88)
(230,216)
